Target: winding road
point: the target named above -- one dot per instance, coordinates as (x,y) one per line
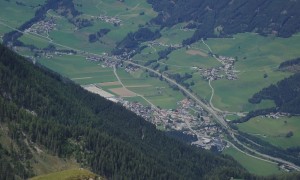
(118,78)
(220,119)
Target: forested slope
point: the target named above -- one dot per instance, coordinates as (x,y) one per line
(68,121)
(229,16)
(286,94)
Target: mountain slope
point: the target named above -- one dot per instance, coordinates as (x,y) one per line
(229,16)
(51,111)
(69,174)
(286,94)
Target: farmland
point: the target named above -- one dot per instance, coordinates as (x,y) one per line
(274,131)
(256,56)
(256,59)
(253,165)
(78,69)
(156,91)
(15,14)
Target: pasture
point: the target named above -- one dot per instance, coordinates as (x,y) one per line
(256,56)
(156,91)
(79,70)
(15,14)
(274,131)
(175,34)
(253,165)
(184,58)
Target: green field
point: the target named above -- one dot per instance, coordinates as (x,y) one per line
(66,34)
(15,15)
(156,91)
(182,58)
(78,69)
(174,35)
(257,56)
(68,174)
(234,95)
(37,41)
(253,165)
(232,117)
(274,130)
(131,20)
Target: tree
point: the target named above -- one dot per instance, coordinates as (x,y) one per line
(289,134)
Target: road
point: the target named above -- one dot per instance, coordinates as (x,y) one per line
(221,120)
(211,97)
(118,78)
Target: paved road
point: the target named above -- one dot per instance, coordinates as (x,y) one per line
(192,96)
(221,120)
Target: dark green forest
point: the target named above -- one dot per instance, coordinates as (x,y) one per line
(262,16)
(293,62)
(132,41)
(286,94)
(67,120)
(292,65)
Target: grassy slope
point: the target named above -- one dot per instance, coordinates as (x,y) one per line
(42,162)
(274,130)
(67,175)
(253,165)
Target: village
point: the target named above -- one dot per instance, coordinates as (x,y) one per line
(156,43)
(197,124)
(227,69)
(111,20)
(276,115)
(42,27)
(188,118)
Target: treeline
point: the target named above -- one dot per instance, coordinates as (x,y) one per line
(132,40)
(264,17)
(289,63)
(163,54)
(285,94)
(182,78)
(98,35)
(71,122)
(255,113)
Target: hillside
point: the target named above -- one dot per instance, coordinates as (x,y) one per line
(285,94)
(227,17)
(71,174)
(221,52)
(51,111)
